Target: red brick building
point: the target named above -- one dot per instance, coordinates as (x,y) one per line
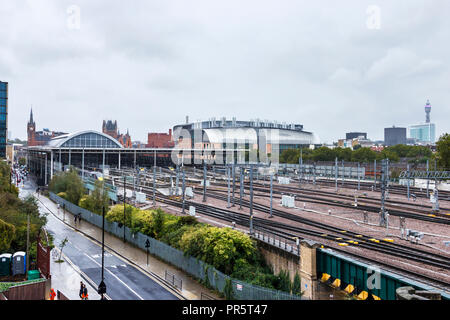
(110,128)
(160,140)
(39,138)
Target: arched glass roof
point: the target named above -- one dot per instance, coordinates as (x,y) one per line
(84,139)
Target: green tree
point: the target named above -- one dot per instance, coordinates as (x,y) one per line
(70,183)
(98,198)
(22,161)
(7,234)
(364,155)
(388,154)
(284,282)
(61,247)
(324,154)
(344,154)
(296,286)
(15,211)
(443,151)
(5,186)
(158,223)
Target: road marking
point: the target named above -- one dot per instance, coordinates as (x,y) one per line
(115,277)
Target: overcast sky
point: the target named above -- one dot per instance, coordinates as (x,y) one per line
(333,66)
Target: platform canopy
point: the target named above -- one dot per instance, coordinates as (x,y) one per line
(84,139)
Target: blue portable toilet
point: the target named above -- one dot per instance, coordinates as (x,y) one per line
(5,264)
(19,263)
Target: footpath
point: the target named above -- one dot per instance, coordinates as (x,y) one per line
(156,269)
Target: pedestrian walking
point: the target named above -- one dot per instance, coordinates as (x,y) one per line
(85,293)
(52,294)
(81,290)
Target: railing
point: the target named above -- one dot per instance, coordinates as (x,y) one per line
(275,241)
(173,280)
(204,296)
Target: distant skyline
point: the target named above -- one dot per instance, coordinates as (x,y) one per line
(333,67)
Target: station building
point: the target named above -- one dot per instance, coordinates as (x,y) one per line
(265,136)
(39,138)
(91,150)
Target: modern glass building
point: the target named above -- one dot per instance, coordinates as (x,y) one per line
(423,132)
(3,118)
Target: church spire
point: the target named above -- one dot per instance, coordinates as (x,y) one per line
(31,115)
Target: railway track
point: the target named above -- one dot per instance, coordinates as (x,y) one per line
(415,211)
(394,189)
(328,233)
(288,232)
(310,197)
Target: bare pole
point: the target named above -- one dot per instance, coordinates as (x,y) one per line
(336,173)
(241,188)
(28,243)
(383,191)
(228,178)
(154,178)
(251,199)
(375,174)
(184,186)
(428,180)
(271,193)
(234,181)
(359,176)
(204,181)
(407,181)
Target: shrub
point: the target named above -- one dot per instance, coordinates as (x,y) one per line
(220,247)
(7,234)
(296,286)
(62,195)
(68,182)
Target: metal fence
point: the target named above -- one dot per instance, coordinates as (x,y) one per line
(173,280)
(195,267)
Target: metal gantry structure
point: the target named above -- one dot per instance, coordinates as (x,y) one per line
(428,175)
(384,187)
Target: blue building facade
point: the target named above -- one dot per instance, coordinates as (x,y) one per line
(425,133)
(3,118)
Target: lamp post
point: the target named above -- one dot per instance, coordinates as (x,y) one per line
(102,286)
(124,198)
(251,199)
(154,179)
(184,189)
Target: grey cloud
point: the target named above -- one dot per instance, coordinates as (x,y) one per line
(148,64)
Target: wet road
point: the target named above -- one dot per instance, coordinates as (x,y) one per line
(123,281)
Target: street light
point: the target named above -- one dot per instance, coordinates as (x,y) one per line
(124,198)
(102,286)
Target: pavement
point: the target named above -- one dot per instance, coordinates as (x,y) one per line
(126,273)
